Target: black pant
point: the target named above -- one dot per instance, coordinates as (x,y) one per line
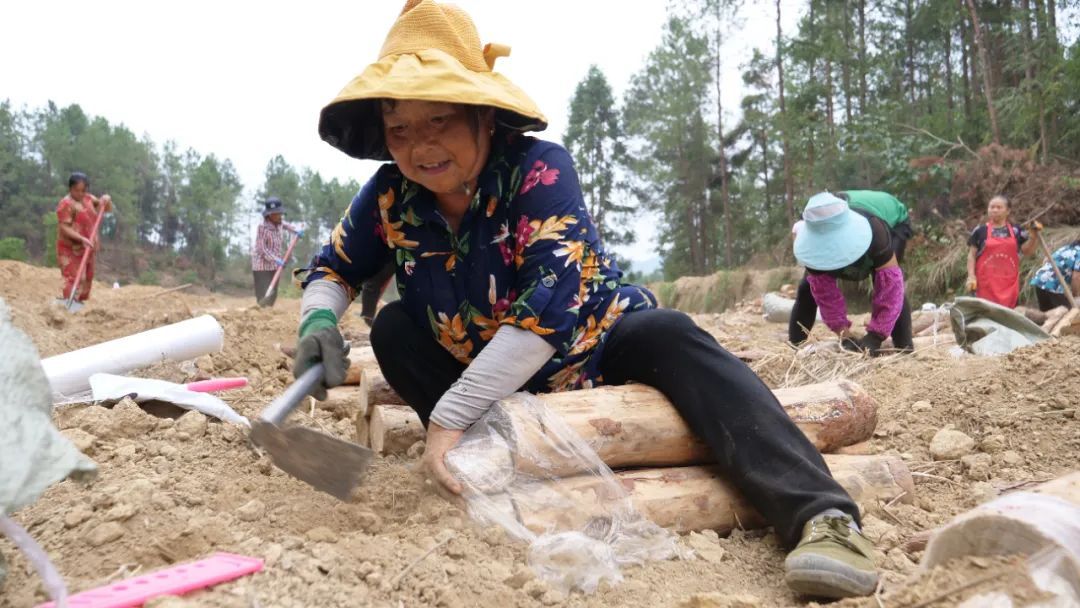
(804,314)
(372,289)
(1049,300)
(755,443)
(262,281)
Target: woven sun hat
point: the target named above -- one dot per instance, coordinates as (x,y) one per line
(833,235)
(273,205)
(432,53)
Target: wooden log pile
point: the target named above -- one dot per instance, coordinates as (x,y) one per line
(663,467)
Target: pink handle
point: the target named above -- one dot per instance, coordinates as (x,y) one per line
(217,384)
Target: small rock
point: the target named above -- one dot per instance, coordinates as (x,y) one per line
(94,420)
(373,579)
(993,444)
(1010,458)
(897,561)
(983,492)
(205,363)
(128,453)
(77,515)
(552,598)
(129,420)
(921,406)
(121,512)
(369,522)
(192,423)
(706,548)
(105,533)
(520,577)
(84,442)
(976,466)
(366,568)
(950,444)
(252,510)
(273,553)
(322,534)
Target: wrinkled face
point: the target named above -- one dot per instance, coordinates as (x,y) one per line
(78,191)
(440,146)
(997,210)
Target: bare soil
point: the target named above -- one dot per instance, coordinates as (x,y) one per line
(171,490)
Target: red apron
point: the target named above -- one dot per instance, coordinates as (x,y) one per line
(997,271)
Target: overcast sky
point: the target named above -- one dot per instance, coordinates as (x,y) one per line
(246,81)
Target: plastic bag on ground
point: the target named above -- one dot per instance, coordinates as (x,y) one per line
(985,328)
(581,529)
(109,386)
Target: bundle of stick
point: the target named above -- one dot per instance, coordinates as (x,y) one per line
(663,466)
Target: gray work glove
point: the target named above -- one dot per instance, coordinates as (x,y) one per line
(321,342)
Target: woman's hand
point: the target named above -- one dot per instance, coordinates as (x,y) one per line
(439,441)
(86,241)
(972,284)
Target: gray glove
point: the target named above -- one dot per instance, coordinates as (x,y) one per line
(324,345)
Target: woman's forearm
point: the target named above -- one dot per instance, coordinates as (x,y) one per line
(971,262)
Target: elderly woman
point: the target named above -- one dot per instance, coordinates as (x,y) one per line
(853,235)
(505,286)
(76,214)
(994,249)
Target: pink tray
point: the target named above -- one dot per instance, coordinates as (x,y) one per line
(177,580)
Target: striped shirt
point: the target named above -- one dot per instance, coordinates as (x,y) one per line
(267,246)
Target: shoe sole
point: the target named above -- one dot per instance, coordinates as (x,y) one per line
(823,583)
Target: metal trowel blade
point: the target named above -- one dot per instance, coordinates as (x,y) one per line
(327,463)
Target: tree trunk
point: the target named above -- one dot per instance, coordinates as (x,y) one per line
(763,138)
(1030,75)
(687,499)
(789,186)
(949,103)
(634,425)
(725,197)
(984,57)
(392,429)
(845,64)
(964,61)
(909,41)
(862,56)
(829,122)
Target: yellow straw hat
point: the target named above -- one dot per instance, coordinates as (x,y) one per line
(432,53)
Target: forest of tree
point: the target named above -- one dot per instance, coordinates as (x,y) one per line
(882,95)
(187,207)
(889,95)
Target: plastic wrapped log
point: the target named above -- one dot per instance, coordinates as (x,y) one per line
(636,426)
(1042,522)
(688,499)
(394,429)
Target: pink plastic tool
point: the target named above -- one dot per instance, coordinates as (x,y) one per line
(177,580)
(217,384)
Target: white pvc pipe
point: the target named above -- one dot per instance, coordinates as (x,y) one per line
(69,373)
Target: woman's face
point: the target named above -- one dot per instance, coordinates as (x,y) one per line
(78,191)
(997,210)
(440,146)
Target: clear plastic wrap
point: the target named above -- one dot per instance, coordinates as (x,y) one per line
(581,527)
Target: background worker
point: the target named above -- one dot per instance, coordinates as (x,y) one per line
(76,215)
(268,248)
(994,249)
(1048,290)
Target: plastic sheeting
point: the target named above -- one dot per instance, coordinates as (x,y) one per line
(776,308)
(108,386)
(985,328)
(580,529)
(33,453)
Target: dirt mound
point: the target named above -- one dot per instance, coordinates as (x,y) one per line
(172,490)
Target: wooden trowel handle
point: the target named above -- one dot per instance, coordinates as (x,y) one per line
(279,408)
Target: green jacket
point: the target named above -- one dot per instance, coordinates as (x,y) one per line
(882,204)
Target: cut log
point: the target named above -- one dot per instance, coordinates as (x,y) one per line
(687,499)
(362,358)
(394,429)
(346,401)
(1066,322)
(636,426)
(1044,521)
(1053,316)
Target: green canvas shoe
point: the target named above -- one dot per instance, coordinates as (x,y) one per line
(832,560)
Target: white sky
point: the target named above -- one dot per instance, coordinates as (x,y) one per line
(246,81)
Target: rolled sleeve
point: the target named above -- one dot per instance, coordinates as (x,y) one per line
(551,235)
(357,247)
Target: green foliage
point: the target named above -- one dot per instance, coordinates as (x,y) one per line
(49,223)
(148,277)
(13,248)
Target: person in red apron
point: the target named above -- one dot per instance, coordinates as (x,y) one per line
(994,255)
(76,214)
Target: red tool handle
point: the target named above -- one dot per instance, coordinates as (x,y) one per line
(277,273)
(86,256)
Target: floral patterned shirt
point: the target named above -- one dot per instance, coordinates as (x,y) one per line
(1067,259)
(526,254)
